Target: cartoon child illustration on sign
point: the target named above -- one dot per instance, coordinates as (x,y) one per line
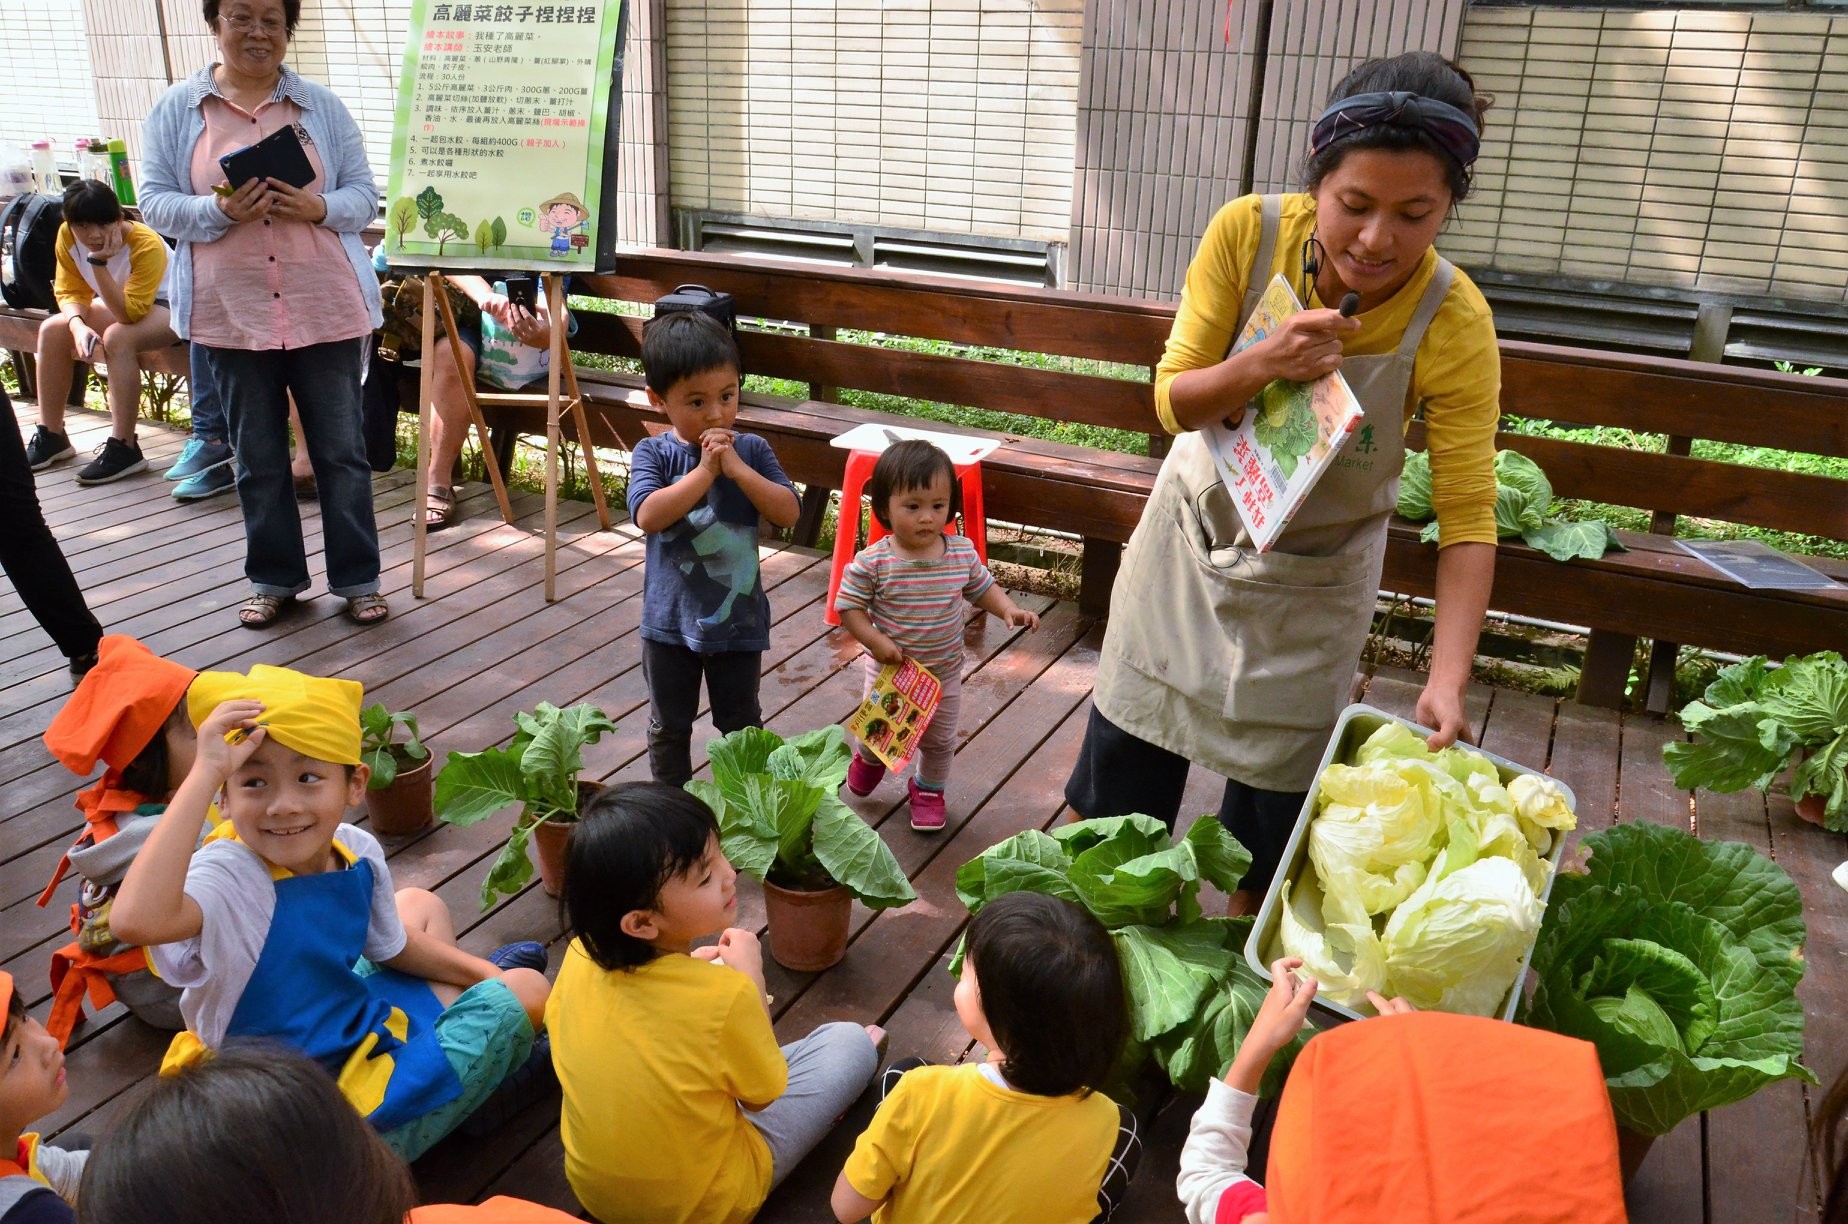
(564,215)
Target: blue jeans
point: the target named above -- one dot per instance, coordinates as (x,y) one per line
(208,411)
(255,386)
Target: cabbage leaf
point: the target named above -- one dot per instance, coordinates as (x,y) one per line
(1679,959)
(1523,497)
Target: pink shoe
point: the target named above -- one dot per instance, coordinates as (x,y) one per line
(863,775)
(927,810)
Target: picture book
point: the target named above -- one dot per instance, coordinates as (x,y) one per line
(1290,434)
(891,720)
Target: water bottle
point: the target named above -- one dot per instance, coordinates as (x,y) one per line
(118,171)
(45,168)
(15,173)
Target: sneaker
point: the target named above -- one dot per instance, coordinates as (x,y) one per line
(927,809)
(114,460)
(524,1086)
(524,955)
(863,775)
(209,483)
(199,456)
(47,448)
(81,664)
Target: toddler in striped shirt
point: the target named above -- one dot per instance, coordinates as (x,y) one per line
(903,597)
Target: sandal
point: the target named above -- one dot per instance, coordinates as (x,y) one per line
(305,489)
(259,611)
(439,507)
(367,609)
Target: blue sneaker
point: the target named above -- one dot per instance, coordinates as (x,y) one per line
(523,955)
(199,456)
(209,483)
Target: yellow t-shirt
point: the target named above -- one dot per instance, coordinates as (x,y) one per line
(949,1146)
(1456,373)
(654,1063)
(145,270)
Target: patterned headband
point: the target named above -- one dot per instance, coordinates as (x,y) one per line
(1455,132)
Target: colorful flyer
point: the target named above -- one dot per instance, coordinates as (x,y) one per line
(1290,434)
(891,720)
(504,115)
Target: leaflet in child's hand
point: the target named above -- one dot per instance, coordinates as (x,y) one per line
(1291,432)
(891,720)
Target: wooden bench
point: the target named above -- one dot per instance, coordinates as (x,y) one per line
(19,338)
(1653,591)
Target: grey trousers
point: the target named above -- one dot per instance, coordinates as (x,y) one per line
(828,1070)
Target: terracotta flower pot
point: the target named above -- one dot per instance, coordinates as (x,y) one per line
(550,839)
(405,806)
(1810,807)
(808,930)
(1632,1150)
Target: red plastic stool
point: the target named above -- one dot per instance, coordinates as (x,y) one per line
(847,529)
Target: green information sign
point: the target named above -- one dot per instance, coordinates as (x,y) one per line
(502,152)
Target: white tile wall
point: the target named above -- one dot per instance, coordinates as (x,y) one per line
(45,74)
(926,114)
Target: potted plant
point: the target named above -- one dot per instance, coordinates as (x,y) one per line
(398,792)
(781,821)
(1192,997)
(1679,960)
(539,771)
(1756,721)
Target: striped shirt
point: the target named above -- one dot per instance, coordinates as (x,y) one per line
(918,604)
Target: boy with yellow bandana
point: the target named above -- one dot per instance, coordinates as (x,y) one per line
(284,926)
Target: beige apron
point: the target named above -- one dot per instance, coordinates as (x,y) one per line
(1238,660)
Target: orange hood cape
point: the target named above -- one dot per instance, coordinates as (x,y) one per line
(1444,1119)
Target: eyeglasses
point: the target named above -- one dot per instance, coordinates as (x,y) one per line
(244,24)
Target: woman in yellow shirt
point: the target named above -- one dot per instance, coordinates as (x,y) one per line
(111,290)
(1240,661)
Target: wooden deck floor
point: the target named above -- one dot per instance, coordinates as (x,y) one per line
(484,644)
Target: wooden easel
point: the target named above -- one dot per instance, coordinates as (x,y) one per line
(561,370)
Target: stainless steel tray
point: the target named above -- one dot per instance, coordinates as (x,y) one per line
(1356,723)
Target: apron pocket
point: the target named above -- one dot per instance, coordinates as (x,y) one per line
(1294,627)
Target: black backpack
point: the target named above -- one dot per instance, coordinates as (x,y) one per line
(29,250)
(706,301)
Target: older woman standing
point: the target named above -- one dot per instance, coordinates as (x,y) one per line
(1240,661)
(273,283)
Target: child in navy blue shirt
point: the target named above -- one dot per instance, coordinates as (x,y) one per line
(698,491)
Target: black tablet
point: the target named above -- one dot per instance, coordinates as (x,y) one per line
(277,156)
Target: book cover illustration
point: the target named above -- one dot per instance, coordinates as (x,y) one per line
(898,707)
(1290,433)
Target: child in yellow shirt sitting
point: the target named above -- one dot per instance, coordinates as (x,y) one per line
(1022,1138)
(678,1104)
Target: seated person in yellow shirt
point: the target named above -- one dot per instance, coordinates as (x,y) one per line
(678,1105)
(111,287)
(1023,1138)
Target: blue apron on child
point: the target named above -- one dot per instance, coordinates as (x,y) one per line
(376,1033)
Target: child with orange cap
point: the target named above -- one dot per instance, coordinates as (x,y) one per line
(38,1182)
(1421,1117)
(129,713)
(284,925)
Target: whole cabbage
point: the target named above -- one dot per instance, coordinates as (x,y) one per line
(1523,495)
(1427,874)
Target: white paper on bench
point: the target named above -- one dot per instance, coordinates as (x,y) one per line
(961,448)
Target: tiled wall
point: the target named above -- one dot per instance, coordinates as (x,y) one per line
(949,115)
(1695,149)
(1164,112)
(45,91)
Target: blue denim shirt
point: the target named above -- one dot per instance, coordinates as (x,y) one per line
(168,204)
(701,588)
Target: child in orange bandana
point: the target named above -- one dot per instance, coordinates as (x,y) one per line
(129,714)
(38,1182)
(263,925)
